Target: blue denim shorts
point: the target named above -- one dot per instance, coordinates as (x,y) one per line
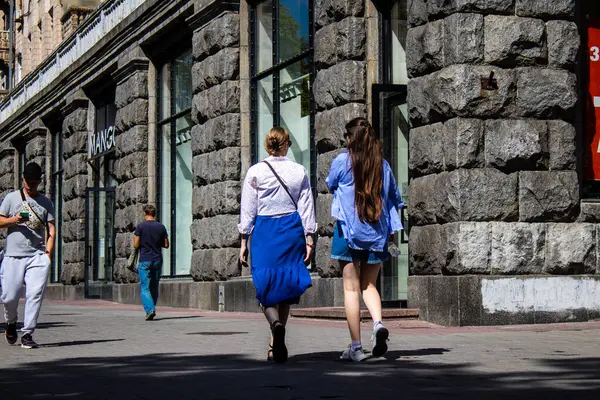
(341,251)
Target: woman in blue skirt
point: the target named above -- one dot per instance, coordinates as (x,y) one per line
(277,213)
(365,204)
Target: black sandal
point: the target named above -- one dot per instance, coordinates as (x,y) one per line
(270,353)
(280,353)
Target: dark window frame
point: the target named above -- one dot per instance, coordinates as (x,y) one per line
(274,71)
(56,178)
(171,120)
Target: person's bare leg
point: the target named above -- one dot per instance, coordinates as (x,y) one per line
(368,286)
(284,313)
(352,298)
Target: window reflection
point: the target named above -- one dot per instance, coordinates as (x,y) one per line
(293,28)
(399,31)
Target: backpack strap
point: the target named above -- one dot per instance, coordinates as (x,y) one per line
(282,183)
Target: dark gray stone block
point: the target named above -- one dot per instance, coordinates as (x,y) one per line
(74,187)
(128,218)
(546,9)
(563,44)
(217,166)
(425,48)
(217,198)
(324,265)
(443,303)
(216,134)
(590,212)
(74,144)
(73,209)
(216,101)
(76,121)
(215,264)
(471,245)
(425,195)
(548,196)
(343,83)
(131,166)
(216,35)
(417,12)
(73,252)
(325,221)
(463,39)
(546,93)
(428,250)
(418,295)
(135,113)
(469,300)
(329,11)
(215,232)
(563,153)
(132,141)
(216,69)
(122,275)
(132,192)
(464,143)
(323,165)
(518,248)
(515,145)
(511,41)
(73,230)
(36,147)
(330,125)
(72,273)
(134,87)
(75,165)
(344,40)
(571,249)
(427,149)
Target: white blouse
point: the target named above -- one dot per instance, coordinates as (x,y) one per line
(262,194)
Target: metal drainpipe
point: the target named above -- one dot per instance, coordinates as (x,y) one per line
(11,19)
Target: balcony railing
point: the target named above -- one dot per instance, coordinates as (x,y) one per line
(101,21)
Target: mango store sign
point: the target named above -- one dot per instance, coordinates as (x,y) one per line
(101,142)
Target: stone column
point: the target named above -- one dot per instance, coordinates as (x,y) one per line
(36,151)
(494,188)
(216,149)
(131,166)
(75,182)
(340,94)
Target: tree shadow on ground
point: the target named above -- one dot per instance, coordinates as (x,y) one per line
(305,376)
(79,342)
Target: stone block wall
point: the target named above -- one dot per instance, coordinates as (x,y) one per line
(216,148)
(340,92)
(75,181)
(7,178)
(35,151)
(131,165)
(492,102)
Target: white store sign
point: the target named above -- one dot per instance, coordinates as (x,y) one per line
(101,142)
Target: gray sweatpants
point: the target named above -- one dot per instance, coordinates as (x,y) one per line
(33,272)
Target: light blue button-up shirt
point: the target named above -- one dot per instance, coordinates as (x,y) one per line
(363,235)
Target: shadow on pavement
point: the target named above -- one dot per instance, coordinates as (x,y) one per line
(79,342)
(308,376)
(40,325)
(181,317)
(217,333)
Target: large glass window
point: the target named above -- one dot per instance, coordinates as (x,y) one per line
(399,29)
(57,200)
(175,162)
(281,71)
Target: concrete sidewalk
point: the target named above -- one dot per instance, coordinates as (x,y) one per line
(98,350)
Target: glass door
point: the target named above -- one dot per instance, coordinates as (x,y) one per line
(390,119)
(100,235)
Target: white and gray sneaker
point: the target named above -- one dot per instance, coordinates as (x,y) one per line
(379,341)
(357,354)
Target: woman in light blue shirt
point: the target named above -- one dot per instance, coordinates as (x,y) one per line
(365,204)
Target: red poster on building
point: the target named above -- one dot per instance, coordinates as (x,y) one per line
(593,103)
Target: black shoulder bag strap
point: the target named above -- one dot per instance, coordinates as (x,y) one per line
(36,214)
(282,184)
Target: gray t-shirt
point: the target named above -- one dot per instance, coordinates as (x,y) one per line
(23,241)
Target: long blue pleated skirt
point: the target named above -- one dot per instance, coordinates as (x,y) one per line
(277,251)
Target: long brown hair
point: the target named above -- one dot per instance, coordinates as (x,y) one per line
(367,165)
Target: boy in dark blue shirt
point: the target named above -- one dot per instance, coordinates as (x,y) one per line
(151,237)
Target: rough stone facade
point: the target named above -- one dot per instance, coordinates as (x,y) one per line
(131,166)
(216,149)
(75,182)
(340,94)
(495,188)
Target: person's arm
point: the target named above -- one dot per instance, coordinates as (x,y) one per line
(136,241)
(248,212)
(7,222)
(306,209)
(50,240)
(333,178)
(166,236)
(166,243)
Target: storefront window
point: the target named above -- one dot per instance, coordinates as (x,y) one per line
(175,162)
(57,200)
(282,75)
(399,29)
